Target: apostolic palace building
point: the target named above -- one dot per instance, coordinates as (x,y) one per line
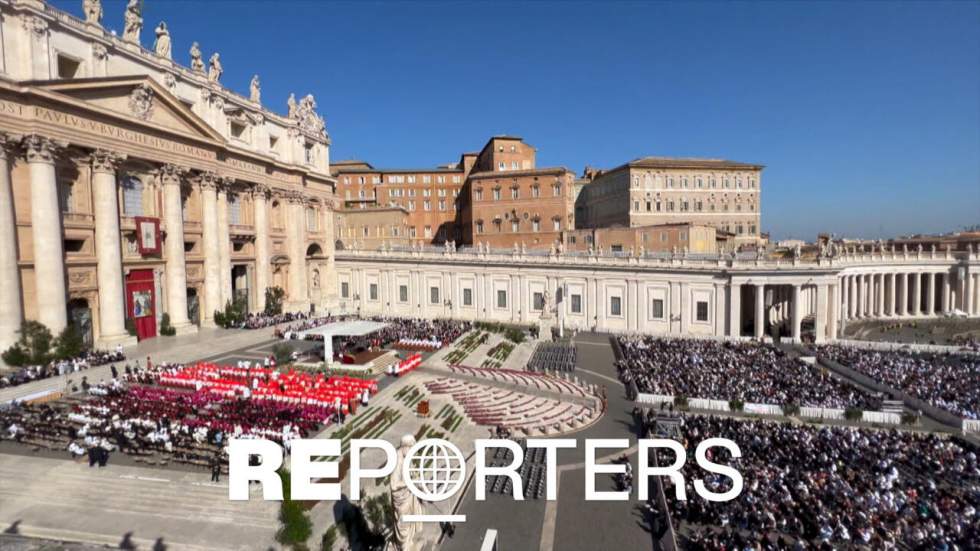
(132,186)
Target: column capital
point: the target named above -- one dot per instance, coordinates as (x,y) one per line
(106,161)
(260,191)
(10,144)
(171,174)
(41,149)
(226,183)
(208,180)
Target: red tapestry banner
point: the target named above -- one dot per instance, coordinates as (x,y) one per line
(148,235)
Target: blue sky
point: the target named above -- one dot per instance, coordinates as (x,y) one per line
(867,115)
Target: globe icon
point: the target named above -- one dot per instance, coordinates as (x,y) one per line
(434,469)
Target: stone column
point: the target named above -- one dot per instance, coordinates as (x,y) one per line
(259,197)
(224,242)
(49,247)
(797,307)
(946,293)
(760,310)
(861,296)
(880,295)
(176,269)
(834,312)
(631,306)
(734,310)
(931,294)
(212,252)
(11,309)
(820,314)
(916,294)
(967,301)
(105,196)
(852,299)
(892,293)
(869,302)
(902,281)
(296,237)
(720,312)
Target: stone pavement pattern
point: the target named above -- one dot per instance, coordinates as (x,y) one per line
(570,523)
(67,500)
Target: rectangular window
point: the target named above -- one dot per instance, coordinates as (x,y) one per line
(615,306)
(403,293)
(501,298)
(373,291)
(657,310)
(344,289)
(537,302)
(576,304)
(467,297)
(433,295)
(702,311)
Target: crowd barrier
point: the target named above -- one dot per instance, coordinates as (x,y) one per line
(881,417)
(704,403)
(971,425)
(910,401)
(653,399)
(913,347)
(810,412)
(831,414)
(762,409)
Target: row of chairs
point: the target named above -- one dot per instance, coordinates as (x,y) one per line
(553,357)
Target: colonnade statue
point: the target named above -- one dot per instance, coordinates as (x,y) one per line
(133,22)
(405,502)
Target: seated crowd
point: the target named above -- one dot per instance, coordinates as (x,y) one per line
(260,320)
(91,358)
(748,371)
(402,333)
(946,381)
(153,410)
(829,487)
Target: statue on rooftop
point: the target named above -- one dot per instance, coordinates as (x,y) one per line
(93,11)
(305,113)
(291,105)
(197,64)
(133,22)
(255,90)
(215,70)
(162,44)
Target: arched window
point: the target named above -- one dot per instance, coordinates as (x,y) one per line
(234,209)
(132,196)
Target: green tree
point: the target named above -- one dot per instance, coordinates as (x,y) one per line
(70,343)
(329,539)
(295,524)
(36,339)
(273,300)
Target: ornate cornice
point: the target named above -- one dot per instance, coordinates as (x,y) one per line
(36,24)
(106,161)
(41,149)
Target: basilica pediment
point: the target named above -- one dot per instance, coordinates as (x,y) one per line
(137,97)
